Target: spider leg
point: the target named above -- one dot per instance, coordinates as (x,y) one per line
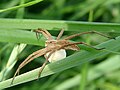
(42,67)
(14,76)
(76,43)
(22,65)
(78,34)
(32,55)
(44,32)
(37,35)
(29,59)
(44,64)
(60,34)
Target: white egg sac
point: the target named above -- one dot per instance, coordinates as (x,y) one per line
(57,55)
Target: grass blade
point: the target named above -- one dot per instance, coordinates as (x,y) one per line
(20,36)
(57,24)
(21,6)
(93,73)
(11,61)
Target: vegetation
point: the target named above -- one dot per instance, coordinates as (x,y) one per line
(87,69)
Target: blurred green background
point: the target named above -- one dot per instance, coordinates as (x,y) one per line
(71,79)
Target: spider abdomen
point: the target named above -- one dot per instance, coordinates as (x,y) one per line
(57,55)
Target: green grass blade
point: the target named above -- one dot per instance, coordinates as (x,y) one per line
(11,61)
(20,6)
(84,74)
(57,24)
(20,11)
(69,62)
(8,4)
(86,8)
(20,36)
(94,73)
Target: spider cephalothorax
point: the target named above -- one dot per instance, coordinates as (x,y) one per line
(54,49)
(52,43)
(60,53)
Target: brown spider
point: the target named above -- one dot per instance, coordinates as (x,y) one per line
(54,49)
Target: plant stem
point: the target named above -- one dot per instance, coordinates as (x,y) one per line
(22,5)
(84,74)
(86,65)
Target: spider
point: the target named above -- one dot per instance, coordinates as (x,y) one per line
(54,49)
